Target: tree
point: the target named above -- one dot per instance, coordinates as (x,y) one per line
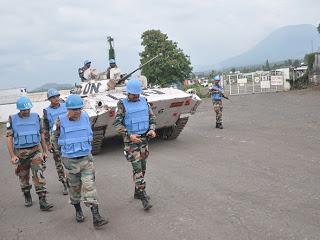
(318,28)
(212,74)
(267,67)
(309,60)
(172,66)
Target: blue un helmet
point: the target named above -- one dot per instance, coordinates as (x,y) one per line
(24,103)
(217,78)
(74,101)
(134,86)
(112,61)
(86,62)
(52,92)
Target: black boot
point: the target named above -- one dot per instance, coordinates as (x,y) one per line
(217,125)
(137,195)
(65,188)
(220,126)
(27,199)
(44,205)
(145,201)
(98,220)
(79,213)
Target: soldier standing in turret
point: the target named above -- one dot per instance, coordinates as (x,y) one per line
(50,115)
(217,92)
(24,137)
(135,121)
(82,70)
(72,132)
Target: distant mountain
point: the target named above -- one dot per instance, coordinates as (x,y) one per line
(290,42)
(58,86)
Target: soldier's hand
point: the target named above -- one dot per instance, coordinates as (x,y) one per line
(14,160)
(50,148)
(151,134)
(135,138)
(45,156)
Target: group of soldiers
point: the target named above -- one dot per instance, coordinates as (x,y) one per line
(86,72)
(65,130)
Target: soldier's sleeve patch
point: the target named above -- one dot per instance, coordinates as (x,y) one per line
(54,128)
(8,125)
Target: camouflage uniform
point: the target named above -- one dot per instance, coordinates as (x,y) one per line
(56,151)
(79,172)
(29,158)
(217,107)
(136,153)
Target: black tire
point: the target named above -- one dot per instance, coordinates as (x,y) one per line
(172,132)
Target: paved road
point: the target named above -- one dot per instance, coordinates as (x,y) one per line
(256,179)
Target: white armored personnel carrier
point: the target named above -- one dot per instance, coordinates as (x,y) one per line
(172,108)
(102,92)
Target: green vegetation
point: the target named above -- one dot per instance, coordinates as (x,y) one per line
(172,66)
(202,92)
(268,65)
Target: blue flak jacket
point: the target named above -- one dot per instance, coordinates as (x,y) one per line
(216,96)
(54,113)
(26,131)
(136,118)
(75,136)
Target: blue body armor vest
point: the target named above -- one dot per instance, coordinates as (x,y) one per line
(217,96)
(136,118)
(26,131)
(75,136)
(54,113)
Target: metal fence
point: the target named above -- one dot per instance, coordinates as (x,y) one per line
(263,82)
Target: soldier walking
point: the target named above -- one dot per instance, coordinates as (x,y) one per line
(72,132)
(24,136)
(217,92)
(135,121)
(50,115)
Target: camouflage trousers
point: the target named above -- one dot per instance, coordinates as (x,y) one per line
(217,107)
(137,154)
(31,158)
(81,180)
(59,166)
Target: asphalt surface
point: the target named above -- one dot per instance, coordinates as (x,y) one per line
(256,179)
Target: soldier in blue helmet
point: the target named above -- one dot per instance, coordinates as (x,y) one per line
(217,92)
(135,121)
(27,148)
(81,71)
(73,134)
(50,115)
(113,72)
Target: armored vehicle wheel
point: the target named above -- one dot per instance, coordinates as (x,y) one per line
(172,132)
(98,136)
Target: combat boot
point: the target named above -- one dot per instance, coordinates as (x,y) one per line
(217,125)
(65,188)
(79,213)
(137,194)
(145,201)
(220,126)
(98,220)
(27,199)
(44,205)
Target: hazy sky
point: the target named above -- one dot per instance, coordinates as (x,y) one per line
(46,41)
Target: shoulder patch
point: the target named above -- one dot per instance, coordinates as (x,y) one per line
(8,125)
(54,128)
